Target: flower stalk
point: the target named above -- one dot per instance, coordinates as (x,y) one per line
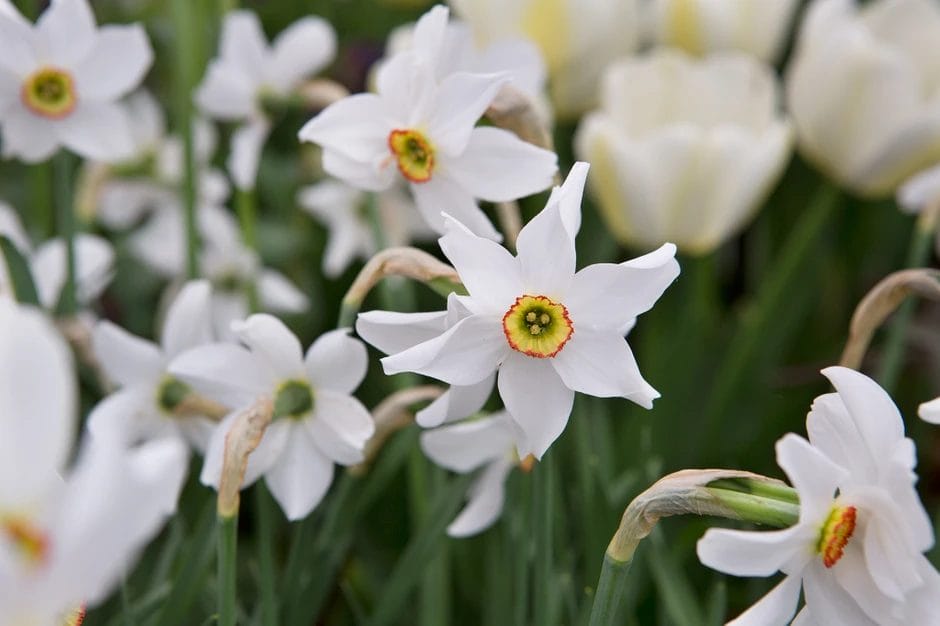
(878,304)
(186,59)
(918,254)
(62,167)
(723,493)
(402,261)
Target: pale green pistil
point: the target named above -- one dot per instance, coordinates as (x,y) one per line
(294,399)
(171,393)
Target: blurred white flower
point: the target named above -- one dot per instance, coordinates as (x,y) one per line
(547,330)
(757,27)
(684,150)
(424,130)
(864,91)
(124,201)
(147,404)
(449,46)
(488,443)
(930,411)
(60,81)
(65,542)
(94,263)
(248,70)
(232,267)
(341,209)
(316,419)
(577,38)
(856,549)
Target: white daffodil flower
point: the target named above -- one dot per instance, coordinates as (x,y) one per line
(545,329)
(704,26)
(856,549)
(863,89)
(66,535)
(577,38)
(449,46)
(60,81)
(147,404)
(423,131)
(930,411)
(684,150)
(124,201)
(94,263)
(317,422)
(351,233)
(487,443)
(248,70)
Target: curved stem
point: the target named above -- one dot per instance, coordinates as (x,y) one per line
(918,254)
(723,493)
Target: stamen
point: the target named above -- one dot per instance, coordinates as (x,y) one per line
(835,534)
(414,153)
(30,541)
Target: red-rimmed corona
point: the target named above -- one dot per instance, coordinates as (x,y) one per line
(537,326)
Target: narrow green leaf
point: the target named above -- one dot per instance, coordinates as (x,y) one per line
(410,567)
(21,279)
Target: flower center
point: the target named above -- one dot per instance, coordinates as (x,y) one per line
(414,153)
(294,398)
(75,617)
(28,540)
(171,392)
(537,326)
(49,92)
(835,534)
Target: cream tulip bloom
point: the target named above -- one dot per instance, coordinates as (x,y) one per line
(864,91)
(60,81)
(67,531)
(577,38)
(757,27)
(684,150)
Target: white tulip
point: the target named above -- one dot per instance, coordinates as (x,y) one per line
(758,27)
(577,39)
(864,91)
(684,150)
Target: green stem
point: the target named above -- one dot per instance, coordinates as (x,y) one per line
(62,166)
(269,605)
(228,548)
(758,321)
(186,72)
(759,509)
(544,592)
(41,179)
(610,591)
(246,207)
(918,254)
